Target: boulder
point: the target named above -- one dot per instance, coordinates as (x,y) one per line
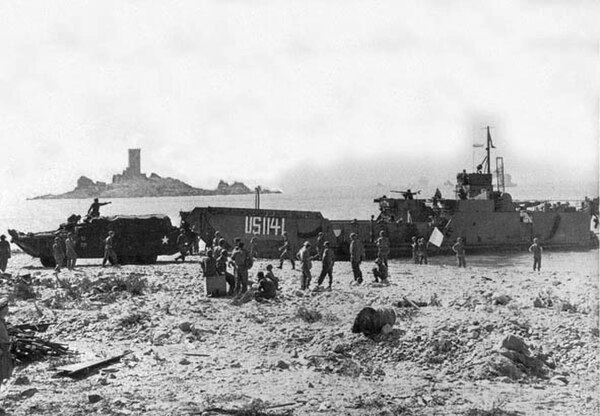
(515,343)
(94,398)
(371,321)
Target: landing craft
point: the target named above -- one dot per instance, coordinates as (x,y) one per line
(138,239)
(485,216)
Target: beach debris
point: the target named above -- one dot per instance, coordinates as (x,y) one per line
(81,369)
(407,303)
(94,398)
(309,315)
(26,347)
(501,299)
(371,321)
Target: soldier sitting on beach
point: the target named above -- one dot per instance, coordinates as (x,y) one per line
(267,289)
(272,276)
(380,271)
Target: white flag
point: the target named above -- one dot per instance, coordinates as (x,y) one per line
(436,238)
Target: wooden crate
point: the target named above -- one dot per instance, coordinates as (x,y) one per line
(215,286)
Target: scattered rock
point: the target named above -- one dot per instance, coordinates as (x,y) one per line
(184,361)
(26,394)
(186,326)
(94,398)
(515,343)
(371,321)
(21,381)
(282,365)
(559,380)
(501,300)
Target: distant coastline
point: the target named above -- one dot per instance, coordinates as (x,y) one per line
(134,184)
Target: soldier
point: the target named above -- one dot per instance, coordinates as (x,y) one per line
(209,265)
(94,210)
(253,254)
(306,264)
(71,253)
(221,265)
(459,249)
(272,276)
(357,254)
(536,249)
(422,250)
(109,251)
(182,244)
(327,262)
(380,271)
(216,239)
(414,246)
(58,253)
(219,248)
(320,243)
(267,288)
(4,253)
(383,247)
(6,363)
(239,259)
(286,252)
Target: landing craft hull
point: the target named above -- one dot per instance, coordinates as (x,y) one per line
(482,231)
(138,239)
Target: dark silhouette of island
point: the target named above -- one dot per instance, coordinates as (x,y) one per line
(132,183)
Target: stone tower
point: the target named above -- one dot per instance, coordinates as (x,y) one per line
(134,169)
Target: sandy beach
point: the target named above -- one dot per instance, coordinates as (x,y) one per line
(190,353)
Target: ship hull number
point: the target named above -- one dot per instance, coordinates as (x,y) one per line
(264,225)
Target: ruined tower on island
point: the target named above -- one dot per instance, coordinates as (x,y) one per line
(134,170)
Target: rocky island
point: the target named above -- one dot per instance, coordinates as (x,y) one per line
(132,183)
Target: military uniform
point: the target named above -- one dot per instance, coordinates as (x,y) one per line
(357,254)
(305,260)
(327,266)
(4,254)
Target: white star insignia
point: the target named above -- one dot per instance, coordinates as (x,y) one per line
(165,239)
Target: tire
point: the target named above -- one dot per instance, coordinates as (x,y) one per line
(48,262)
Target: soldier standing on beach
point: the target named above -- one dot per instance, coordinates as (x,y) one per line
(4,253)
(320,244)
(6,362)
(239,258)
(286,251)
(422,250)
(109,251)
(182,244)
(383,247)
(71,253)
(306,264)
(221,260)
(327,262)
(414,246)
(217,239)
(58,253)
(536,249)
(357,254)
(459,249)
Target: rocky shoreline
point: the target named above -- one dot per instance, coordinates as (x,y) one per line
(478,341)
(151,186)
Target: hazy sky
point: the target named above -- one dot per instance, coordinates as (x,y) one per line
(264,91)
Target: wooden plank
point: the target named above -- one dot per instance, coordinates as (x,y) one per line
(80,368)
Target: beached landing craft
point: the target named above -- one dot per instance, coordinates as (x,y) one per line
(138,239)
(485,216)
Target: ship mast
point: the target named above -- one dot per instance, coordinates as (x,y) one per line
(487,150)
